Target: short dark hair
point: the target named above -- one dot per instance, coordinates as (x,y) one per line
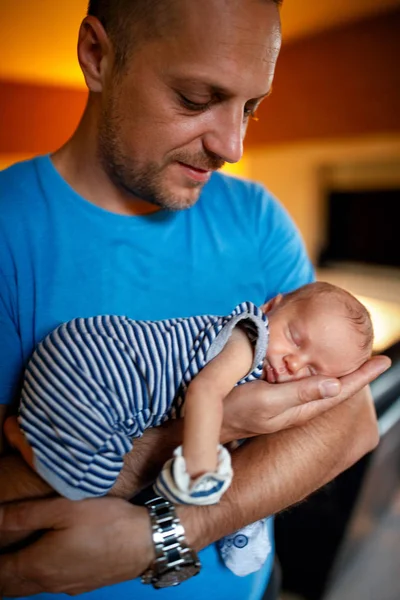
(119,16)
(354,310)
(127,21)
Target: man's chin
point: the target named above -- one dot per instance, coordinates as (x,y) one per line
(180,200)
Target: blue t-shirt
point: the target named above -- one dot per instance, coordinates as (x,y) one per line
(62,257)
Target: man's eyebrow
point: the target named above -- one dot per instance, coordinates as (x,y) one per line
(218,90)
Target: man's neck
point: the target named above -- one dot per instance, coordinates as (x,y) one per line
(77,162)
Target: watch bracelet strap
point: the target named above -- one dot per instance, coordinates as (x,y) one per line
(172,551)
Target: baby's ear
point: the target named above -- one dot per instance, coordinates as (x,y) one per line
(271,304)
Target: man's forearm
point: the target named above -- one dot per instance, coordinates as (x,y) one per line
(145,461)
(276,471)
(141,466)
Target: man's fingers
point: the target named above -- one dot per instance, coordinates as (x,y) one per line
(350,385)
(15,582)
(345,387)
(17,440)
(296,393)
(353,383)
(10,429)
(303,391)
(33,515)
(11,585)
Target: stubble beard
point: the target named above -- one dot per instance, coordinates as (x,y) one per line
(145,182)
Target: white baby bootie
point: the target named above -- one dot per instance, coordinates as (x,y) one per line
(174,481)
(246,550)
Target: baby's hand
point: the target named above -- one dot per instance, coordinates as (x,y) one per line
(17,440)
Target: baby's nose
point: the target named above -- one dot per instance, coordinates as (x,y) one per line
(292,364)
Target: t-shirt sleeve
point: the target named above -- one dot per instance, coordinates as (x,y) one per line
(254,322)
(10,346)
(283,259)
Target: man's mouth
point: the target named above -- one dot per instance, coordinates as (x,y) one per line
(196,173)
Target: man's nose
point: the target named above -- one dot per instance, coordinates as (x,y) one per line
(225,135)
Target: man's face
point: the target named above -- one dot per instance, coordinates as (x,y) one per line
(311,337)
(181,107)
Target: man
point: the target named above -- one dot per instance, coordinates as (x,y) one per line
(100,228)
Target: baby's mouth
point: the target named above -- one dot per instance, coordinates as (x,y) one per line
(270,372)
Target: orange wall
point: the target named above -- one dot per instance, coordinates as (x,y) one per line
(36,119)
(343,83)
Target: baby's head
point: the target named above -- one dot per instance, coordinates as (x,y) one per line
(319,329)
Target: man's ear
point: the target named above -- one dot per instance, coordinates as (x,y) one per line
(271,304)
(94,53)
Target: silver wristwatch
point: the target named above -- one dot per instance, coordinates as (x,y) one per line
(175,561)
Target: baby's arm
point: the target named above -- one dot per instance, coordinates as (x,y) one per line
(200,471)
(204,402)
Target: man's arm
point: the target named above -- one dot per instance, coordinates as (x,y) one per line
(90,544)
(273,408)
(271,473)
(286,467)
(19,482)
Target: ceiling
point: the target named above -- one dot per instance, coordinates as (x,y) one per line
(38,39)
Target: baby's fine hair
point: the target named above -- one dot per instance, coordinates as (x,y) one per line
(354,310)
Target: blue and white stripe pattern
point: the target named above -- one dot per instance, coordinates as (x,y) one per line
(95,384)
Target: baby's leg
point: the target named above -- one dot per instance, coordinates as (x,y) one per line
(76,408)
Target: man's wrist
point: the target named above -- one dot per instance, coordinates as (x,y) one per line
(199,525)
(175,561)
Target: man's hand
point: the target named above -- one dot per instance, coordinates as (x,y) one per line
(259,407)
(17,440)
(18,481)
(87,545)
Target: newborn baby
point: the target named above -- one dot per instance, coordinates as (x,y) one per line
(95,384)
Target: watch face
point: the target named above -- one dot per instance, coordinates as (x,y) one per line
(176,576)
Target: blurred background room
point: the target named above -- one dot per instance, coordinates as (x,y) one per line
(327,144)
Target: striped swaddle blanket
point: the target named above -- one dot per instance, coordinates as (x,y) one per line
(94,384)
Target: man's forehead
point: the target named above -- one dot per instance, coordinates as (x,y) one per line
(254,23)
(221,44)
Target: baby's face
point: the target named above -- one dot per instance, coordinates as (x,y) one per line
(310,338)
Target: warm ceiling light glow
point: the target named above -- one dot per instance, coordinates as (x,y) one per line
(386,321)
(239,169)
